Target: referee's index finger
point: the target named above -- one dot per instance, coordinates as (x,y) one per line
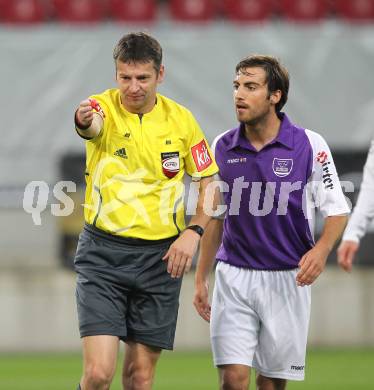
(85,110)
(167,254)
(85,103)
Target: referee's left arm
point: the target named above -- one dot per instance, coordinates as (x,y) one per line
(182,251)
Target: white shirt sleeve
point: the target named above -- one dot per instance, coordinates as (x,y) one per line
(363,212)
(324,182)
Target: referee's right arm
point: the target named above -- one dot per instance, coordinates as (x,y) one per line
(87,122)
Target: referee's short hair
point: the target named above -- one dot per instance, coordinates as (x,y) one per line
(277,77)
(138,47)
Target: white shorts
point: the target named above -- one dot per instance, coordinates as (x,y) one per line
(260,319)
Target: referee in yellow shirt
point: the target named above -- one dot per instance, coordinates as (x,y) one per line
(135,246)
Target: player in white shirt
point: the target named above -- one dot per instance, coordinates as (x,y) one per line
(362,214)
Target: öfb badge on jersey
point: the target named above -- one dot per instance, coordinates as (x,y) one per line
(170,164)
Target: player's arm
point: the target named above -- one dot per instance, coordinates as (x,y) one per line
(314,261)
(209,245)
(198,164)
(346,254)
(181,252)
(362,214)
(88,123)
(329,198)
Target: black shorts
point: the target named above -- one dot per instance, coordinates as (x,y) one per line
(123,289)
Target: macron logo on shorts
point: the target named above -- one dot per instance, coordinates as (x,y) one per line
(297,368)
(201,156)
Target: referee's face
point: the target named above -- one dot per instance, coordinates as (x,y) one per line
(251,96)
(137,82)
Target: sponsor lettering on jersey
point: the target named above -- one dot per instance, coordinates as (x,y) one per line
(201,156)
(322,158)
(236,160)
(170,163)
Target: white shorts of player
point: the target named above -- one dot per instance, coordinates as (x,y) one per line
(260,319)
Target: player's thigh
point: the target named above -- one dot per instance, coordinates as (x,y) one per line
(234,322)
(284,312)
(100,354)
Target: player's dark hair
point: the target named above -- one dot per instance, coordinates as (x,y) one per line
(277,77)
(138,47)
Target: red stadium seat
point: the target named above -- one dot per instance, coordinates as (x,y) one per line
(248,10)
(133,10)
(355,11)
(80,11)
(304,10)
(193,10)
(22,11)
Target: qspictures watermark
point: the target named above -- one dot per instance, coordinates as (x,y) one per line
(36,196)
(262,198)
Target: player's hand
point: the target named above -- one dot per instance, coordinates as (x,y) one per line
(84,113)
(181,252)
(201,300)
(346,254)
(311,265)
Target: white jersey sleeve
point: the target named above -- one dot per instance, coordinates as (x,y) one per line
(363,212)
(324,184)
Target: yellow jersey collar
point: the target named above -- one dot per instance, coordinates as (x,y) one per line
(155,114)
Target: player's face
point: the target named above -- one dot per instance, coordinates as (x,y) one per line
(137,82)
(251,96)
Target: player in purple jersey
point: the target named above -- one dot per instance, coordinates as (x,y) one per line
(273,174)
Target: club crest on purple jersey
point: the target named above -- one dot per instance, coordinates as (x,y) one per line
(282,166)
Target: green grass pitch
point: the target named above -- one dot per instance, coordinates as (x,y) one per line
(326,370)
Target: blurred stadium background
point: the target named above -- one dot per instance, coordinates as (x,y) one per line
(55,53)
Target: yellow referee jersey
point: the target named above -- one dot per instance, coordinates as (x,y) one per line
(135,168)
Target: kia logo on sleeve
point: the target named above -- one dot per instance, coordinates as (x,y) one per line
(201,156)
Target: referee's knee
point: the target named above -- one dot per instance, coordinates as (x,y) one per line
(97,377)
(138,377)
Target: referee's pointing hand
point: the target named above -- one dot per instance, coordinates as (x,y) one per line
(85,113)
